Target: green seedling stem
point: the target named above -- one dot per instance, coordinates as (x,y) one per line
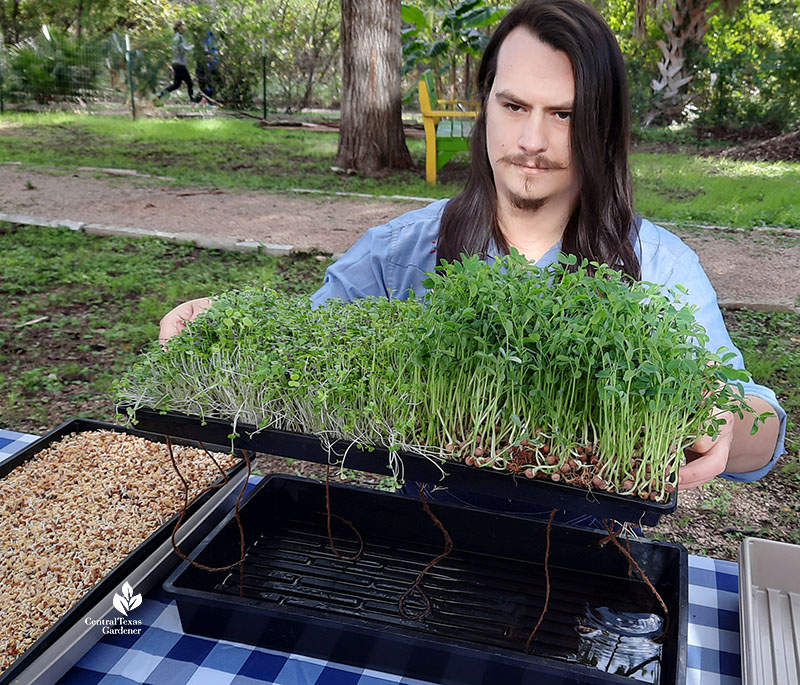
(571,372)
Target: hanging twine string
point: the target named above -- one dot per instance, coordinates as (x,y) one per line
(448,548)
(546,581)
(331,516)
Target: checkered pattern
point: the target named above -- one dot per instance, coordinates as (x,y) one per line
(713,655)
(12,442)
(163,655)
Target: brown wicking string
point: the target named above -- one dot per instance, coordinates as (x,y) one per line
(613,537)
(546,581)
(216,463)
(358,554)
(178,551)
(448,547)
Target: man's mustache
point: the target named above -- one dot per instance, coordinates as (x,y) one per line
(538,161)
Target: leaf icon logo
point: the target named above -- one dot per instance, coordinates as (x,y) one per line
(127,601)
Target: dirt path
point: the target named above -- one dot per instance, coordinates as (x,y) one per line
(753,269)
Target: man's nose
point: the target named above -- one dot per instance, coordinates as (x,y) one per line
(533,135)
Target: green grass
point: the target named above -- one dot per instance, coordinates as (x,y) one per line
(711,190)
(102,299)
(228,153)
(234,153)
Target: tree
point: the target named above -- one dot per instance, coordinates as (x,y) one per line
(685,26)
(448,30)
(10,21)
(371,133)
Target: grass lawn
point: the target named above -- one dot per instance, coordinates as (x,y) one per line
(233,153)
(98,302)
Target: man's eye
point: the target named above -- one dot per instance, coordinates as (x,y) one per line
(512,107)
(564,116)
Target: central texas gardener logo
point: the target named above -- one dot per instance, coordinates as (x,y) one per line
(127,601)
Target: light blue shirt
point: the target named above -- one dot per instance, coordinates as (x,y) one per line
(392,259)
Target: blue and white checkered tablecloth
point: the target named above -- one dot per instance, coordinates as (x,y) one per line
(164,655)
(12,442)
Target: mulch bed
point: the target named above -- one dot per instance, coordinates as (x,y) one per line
(782,148)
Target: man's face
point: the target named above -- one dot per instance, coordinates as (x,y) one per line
(528,115)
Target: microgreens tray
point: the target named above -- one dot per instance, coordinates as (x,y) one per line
(458,476)
(71,636)
(492,615)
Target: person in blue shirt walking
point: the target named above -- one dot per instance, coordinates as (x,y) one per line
(207,66)
(180,72)
(549,173)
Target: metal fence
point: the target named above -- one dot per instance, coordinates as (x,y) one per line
(50,70)
(112,74)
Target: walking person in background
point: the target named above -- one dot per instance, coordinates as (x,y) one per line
(180,73)
(206,73)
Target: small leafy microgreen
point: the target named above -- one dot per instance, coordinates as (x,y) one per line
(570,372)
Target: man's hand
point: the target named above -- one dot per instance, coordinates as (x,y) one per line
(707,457)
(175,321)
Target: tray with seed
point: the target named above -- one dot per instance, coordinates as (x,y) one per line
(88,513)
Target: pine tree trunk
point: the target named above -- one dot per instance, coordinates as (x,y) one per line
(371,134)
(685,28)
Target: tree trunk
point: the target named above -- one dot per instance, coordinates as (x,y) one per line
(80,19)
(371,134)
(685,28)
(9,25)
(467,77)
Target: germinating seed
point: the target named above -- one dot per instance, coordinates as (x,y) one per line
(76,510)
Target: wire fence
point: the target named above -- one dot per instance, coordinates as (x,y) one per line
(52,71)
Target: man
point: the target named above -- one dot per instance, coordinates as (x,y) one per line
(180,72)
(549,173)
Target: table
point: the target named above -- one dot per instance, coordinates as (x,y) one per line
(164,655)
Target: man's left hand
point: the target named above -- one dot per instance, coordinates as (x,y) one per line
(707,457)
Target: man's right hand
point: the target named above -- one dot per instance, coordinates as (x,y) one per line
(175,320)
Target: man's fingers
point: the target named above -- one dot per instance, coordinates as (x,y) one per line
(703,465)
(703,444)
(175,320)
(707,457)
(170,329)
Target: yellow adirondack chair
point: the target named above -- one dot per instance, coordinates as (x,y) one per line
(447,126)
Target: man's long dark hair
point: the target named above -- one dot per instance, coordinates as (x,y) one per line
(600,227)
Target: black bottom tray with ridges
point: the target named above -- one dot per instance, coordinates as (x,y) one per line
(299,596)
(545,494)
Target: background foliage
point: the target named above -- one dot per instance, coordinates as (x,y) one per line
(747,75)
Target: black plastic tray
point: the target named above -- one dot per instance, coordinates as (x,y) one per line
(544,493)
(16,672)
(486,596)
